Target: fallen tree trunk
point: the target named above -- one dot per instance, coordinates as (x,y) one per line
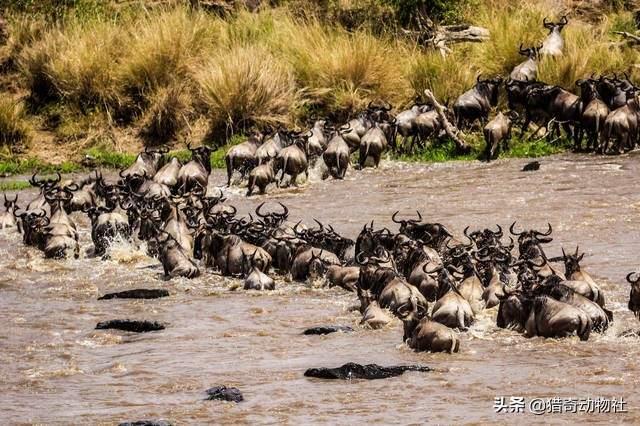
(450,34)
(629,38)
(449,128)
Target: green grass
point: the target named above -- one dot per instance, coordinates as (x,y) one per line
(32,165)
(441,152)
(14,185)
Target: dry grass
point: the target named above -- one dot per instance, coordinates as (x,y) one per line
(15,130)
(152,68)
(244,87)
(168,114)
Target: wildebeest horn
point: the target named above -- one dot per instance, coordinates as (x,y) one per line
(498,233)
(478,80)
(258,210)
(563,20)
(630,280)
(546,233)
(393,218)
(545,23)
(285,211)
(437,268)
(513,232)
(319,224)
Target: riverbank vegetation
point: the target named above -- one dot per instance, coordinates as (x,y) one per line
(83,76)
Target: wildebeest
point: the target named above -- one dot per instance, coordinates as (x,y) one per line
(475,103)
(7,217)
(336,156)
(262,176)
(242,157)
(634,293)
(553,45)
(527,70)
(292,160)
(594,113)
(195,174)
(620,132)
(497,131)
(406,124)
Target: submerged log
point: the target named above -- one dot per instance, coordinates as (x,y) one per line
(223,393)
(138,293)
(327,329)
(131,325)
(357,371)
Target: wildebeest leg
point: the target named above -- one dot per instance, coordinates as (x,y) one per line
(229,170)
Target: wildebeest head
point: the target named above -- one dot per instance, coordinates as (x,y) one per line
(529,52)
(531,238)
(411,313)
(489,87)
(555,26)
(44,184)
(369,239)
(514,311)
(273,219)
(201,155)
(10,204)
(572,261)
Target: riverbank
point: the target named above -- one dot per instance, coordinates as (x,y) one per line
(100,158)
(117,77)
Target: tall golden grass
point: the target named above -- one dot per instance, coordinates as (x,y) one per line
(14,127)
(162,67)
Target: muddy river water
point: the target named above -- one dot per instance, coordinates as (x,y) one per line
(55,368)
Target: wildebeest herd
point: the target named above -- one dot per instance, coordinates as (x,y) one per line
(433,281)
(603,118)
(422,274)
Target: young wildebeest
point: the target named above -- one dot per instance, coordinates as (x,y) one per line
(242,157)
(527,70)
(553,45)
(496,131)
(262,176)
(475,103)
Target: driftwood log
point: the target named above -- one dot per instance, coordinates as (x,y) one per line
(449,128)
(449,34)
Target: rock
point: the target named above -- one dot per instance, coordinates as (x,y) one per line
(223,393)
(358,371)
(531,167)
(327,329)
(131,325)
(139,293)
(146,423)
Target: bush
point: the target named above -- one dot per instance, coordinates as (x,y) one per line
(245,87)
(170,109)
